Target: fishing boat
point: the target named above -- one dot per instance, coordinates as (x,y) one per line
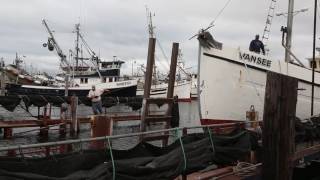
(231,80)
(16,74)
(181,89)
(80,77)
(159,87)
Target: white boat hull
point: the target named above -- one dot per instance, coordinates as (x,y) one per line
(231,80)
(181,89)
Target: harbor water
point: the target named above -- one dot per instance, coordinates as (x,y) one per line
(188,112)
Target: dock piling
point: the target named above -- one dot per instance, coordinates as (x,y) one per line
(74,128)
(165,119)
(148,81)
(279,126)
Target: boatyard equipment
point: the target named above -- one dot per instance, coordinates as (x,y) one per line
(252,115)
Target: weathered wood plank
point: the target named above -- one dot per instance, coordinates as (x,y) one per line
(278,126)
(147,83)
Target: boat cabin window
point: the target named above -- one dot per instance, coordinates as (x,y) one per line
(83,80)
(104,79)
(111,79)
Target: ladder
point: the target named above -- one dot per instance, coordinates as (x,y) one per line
(267,28)
(150,120)
(147,119)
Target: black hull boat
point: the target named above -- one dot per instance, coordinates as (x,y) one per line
(16,89)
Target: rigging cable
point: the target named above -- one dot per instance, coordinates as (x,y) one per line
(220,12)
(213,21)
(253,83)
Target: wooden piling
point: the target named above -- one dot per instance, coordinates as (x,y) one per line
(44,128)
(173,67)
(149,68)
(63,117)
(148,82)
(278,126)
(2,83)
(170,91)
(7,133)
(74,128)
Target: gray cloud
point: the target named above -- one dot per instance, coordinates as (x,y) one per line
(119,27)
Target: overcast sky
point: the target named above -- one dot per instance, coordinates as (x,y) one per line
(119,28)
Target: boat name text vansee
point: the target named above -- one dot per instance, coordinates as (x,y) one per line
(254,59)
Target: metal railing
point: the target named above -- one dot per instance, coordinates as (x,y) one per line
(105,138)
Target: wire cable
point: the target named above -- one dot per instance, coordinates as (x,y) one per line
(220,12)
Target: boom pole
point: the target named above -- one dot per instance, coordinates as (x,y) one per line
(63,58)
(289,30)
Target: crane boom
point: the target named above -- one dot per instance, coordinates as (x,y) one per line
(63,57)
(52,41)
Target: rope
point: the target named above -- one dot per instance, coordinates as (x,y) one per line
(183,152)
(112,159)
(53,154)
(249,77)
(22,155)
(211,141)
(81,147)
(239,168)
(244,169)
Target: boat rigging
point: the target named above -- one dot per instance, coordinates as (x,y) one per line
(267,27)
(53,45)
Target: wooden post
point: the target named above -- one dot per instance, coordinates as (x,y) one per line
(149,70)
(101,126)
(172,80)
(74,120)
(172,75)
(2,83)
(44,131)
(278,126)
(148,82)
(7,133)
(173,67)
(63,117)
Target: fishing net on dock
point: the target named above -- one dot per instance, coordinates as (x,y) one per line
(142,162)
(12,101)
(9,102)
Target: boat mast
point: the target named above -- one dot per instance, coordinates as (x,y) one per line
(151,35)
(150,24)
(289,30)
(77,46)
(313,52)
